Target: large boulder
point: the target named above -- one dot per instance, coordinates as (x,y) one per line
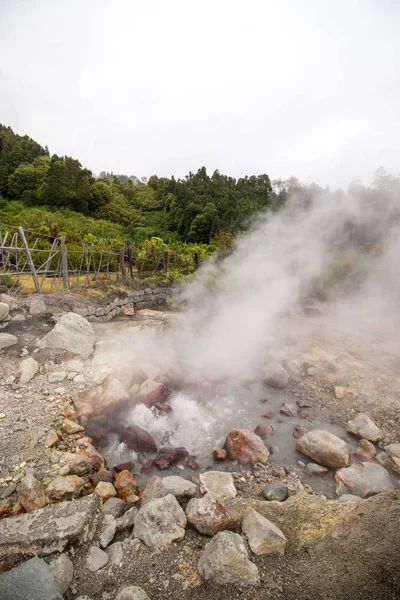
(325,448)
(263,536)
(7,339)
(138,439)
(31,494)
(362,426)
(275,375)
(209,515)
(28,369)
(160,522)
(158,487)
(71,332)
(364,480)
(218,483)
(246,447)
(224,561)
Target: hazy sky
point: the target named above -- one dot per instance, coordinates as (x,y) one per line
(309,88)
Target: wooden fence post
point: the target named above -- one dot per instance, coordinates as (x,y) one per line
(122,263)
(166,261)
(196,261)
(64,264)
(130,262)
(30,261)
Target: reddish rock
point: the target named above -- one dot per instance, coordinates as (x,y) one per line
(193,465)
(219,455)
(325,448)
(394,464)
(31,494)
(125,484)
(138,439)
(246,447)
(147,466)
(362,426)
(365,450)
(166,458)
(65,488)
(105,491)
(290,409)
(264,430)
(209,515)
(315,470)
(298,431)
(363,480)
(152,392)
(102,475)
(71,427)
(129,465)
(163,409)
(87,449)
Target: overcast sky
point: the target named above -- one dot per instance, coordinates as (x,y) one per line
(309,88)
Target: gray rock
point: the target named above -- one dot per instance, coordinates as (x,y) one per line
(362,426)
(78,464)
(6,340)
(315,470)
(219,483)
(116,553)
(224,561)
(160,522)
(349,498)
(63,571)
(210,514)
(290,409)
(275,375)
(73,333)
(158,487)
(127,520)
(364,479)
(275,491)
(28,369)
(365,450)
(48,529)
(37,307)
(18,318)
(96,559)
(263,536)
(56,376)
(33,580)
(115,507)
(325,448)
(393,450)
(4,311)
(131,592)
(107,530)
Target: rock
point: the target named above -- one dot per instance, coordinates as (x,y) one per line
(152,392)
(28,369)
(107,530)
(393,450)
(129,465)
(219,455)
(56,376)
(37,307)
(48,529)
(87,449)
(246,447)
(325,448)
(4,311)
(263,536)
(71,332)
(349,498)
(166,458)
(315,470)
(18,318)
(339,392)
(75,365)
(138,439)
(160,522)
(394,464)
(63,571)
(31,494)
(264,430)
(6,340)
(113,506)
(298,431)
(220,484)
(125,484)
(71,427)
(275,492)
(78,463)
(96,559)
(33,580)
(115,394)
(163,409)
(103,475)
(210,514)
(366,450)
(275,375)
(362,426)
(290,409)
(107,492)
(312,311)
(364,480)
(131,592)
(79,378)
(224,561)
(115,553)
(127,520)
(157,487)
(65,488)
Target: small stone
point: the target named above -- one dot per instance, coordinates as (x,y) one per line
(79,378)
(7,339)
(393,450)
(31,494)
(51,439)
(264,430)
(339,392)
(71,427)
(298,431)
(277,492)
(365,450)
(4,311)
(113,506)
(263,536)
(56,377)
(107,530)
(65,488)
(224,561)
(77,463)
(315,470)
(2,416)
(157,487)
(101,475)
(219,455)
(37,306)
(106,491)
(290,409)
(349,498)
(127,520)
(246,447)
(28,369)
(125,484)
(87,449)
(160,522)
(115,553)
(362,426)
(382,458)
(210,514)
(394,464)
(219,483)
(275,375)
(96,559)
(131,592)
(63,571)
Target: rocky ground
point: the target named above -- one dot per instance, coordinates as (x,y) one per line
(177,538)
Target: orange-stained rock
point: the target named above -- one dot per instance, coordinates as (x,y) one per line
(105,490)
(125,484)
(31,494)
(65,488)
(87,449)
(246,447)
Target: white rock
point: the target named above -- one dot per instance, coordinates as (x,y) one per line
(160,522)
(158,487)
(219,483)
(263,536)
(37,306)
(7,339)
(63,571)
(362,426)
(56,377)
(131,592)
(71,332)
(96,559)
(4,311)
(28,368)
(107,531)
(275,375)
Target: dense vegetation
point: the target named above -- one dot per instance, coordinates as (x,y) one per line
(194,209)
